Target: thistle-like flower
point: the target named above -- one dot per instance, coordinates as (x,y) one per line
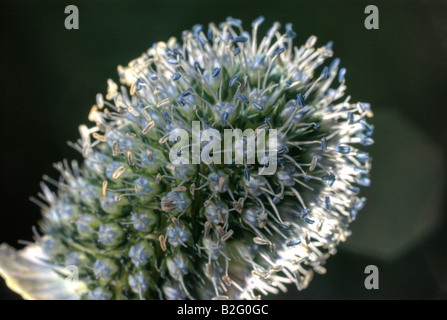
(135,222)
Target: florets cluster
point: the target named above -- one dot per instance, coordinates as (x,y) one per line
(140,226)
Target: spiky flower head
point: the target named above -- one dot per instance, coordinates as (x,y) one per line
(136,224)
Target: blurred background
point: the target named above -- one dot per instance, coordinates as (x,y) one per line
(50,76)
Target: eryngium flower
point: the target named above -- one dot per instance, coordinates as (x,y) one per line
(130,224)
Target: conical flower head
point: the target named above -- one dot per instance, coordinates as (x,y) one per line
(222,166)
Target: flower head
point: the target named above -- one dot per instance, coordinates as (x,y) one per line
(139,222)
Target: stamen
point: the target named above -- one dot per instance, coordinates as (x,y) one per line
(146,115)
(164,138)
(261,241)
(176,76)
(115,149)
(148,127)
(130,158)
(163,102)
(257,106)
(293,243)
(118,172)
(215,72)
(239,205)
(226,236)
(177,222)
(327,201)
(99,137)
(227,280)
(104,188)
(341,75)
(233,80)
(207,228)
(313,163)
(242,98)
(209,270)
(221,186)
(220,231)
(277,52)
(162,241)
(149,155)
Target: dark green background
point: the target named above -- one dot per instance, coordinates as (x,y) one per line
(50,75)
